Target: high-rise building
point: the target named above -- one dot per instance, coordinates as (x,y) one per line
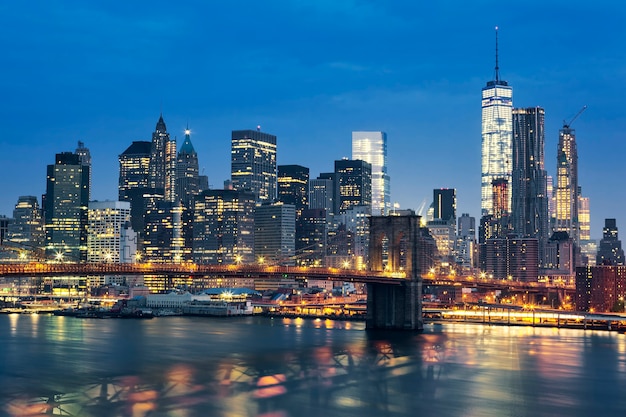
(371,147)
(162,167)
(466,241)
(584,218)
(275,234)
(567,185)
(107,226)
(85,159)
(162,240)
(321,194)
(253,163)
(224,227)
(187,188)
(354,181)
(444,204)
(293,186)
(311,237)
(134,180)
(497,131)
(529,207)
(65,208)
(26,231)
(610,251)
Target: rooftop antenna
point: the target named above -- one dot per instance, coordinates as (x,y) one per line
(497,68)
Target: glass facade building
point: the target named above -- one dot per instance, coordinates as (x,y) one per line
(253,163)
(371,147)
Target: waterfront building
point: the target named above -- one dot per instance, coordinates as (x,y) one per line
(187,188)
(567,191)
(466,241)
(65,208)
(109,238)
(371,147)
(26,230)
(354,181)
(600,288)
(134,180)
(559,266)
(610,251)
(322,194)
(162,168)
(311,236)
(275,234)
(253,163)
(497,131)
(223,231)
(529,209)
(293,186)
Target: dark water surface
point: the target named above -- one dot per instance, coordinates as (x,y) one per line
(257,366)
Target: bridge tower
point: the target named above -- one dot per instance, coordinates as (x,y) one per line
(396,245)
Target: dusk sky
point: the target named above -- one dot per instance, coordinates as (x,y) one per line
(311,72)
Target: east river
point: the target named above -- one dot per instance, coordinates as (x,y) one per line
(259,366)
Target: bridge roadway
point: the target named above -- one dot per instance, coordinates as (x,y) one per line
(36,269)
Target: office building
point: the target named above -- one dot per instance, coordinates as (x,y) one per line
(354,182)
(26,230)
(65,208)
(371,147)
(466,241)
(610,251)
(187,188)
(85,158)
(293,186)
(311,237)
(224,227)
(134,180)
(324,194)
(162,167)
(497,131)
(253,163)
(162,240)
(567,185)
(601,288)
(511,258)
(529,210)
(444,204)
(110,238)
(357,222)
(275,234)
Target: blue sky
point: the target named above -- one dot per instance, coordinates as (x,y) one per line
(310,72)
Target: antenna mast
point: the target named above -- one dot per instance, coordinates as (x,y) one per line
(497,68)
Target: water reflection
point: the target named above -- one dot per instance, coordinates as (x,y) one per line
(297,368)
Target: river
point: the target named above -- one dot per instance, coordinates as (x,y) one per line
(274,367)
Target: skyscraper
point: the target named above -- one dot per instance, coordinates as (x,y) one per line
(529,210)
(253,163)
(26,230)
(371,147)
(274,234)
(187,188)
(444,204)
(567,184)
(65,208)
(162,168)
(354,179)
(107,221)
(610,251)
(293,186)
(85,159)
(134,180)
(497,133)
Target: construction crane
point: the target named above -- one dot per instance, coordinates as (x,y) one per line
(567,125)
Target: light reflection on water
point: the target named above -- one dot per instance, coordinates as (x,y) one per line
(179,366)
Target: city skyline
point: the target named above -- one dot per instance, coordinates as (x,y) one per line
(71,78)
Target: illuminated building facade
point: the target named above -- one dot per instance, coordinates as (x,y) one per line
(567,185)
(311,235)
(65,208)
(354,181)
(293,186)
(600,288)
(110,238)
(275,234)
(253,163)
(223,231)
(497,131)
(323,193)
(134,180)
(371,147)
(163,240)
(512,258)
(26,230)
(529,209)
(187,188)
(162,167)
(584,218)
(85,159)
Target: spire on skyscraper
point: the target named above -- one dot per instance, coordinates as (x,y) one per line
(160,126)
(497,68)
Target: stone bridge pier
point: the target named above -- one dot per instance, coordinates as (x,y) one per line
(397,245)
